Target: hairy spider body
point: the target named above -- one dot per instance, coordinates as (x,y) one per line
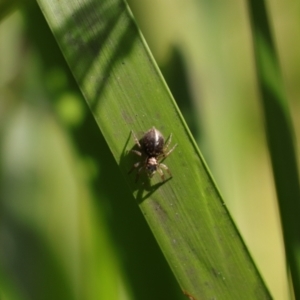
(154,149)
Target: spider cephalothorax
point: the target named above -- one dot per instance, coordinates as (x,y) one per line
(152,150)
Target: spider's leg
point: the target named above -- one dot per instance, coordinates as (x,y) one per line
(168,142)
(165,168)
(135,139)
(134,167)
(170,151)
(161,173)
(138,173)
(136,152)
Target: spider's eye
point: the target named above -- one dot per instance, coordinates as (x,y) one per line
(151,169)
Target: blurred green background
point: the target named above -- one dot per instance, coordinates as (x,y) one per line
(70,229)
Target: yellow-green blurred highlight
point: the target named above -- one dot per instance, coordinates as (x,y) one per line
(44,195)
(54,241)
(69,108)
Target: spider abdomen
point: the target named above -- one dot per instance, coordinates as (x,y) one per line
(152,143)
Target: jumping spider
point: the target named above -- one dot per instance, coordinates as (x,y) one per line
(153,148)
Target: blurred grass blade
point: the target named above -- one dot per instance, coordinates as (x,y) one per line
(125,91)
(279,134)
(8,290)
(7,7)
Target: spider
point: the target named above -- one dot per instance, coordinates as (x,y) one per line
(152,145)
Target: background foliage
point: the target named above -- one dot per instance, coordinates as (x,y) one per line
(59,204)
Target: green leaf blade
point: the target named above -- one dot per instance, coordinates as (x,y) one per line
(125,92)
